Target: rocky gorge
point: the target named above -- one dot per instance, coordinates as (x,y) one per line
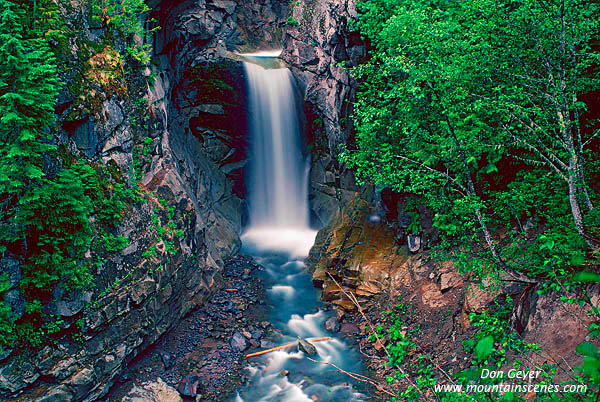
(179,302)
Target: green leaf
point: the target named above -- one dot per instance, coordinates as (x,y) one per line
(587,349)
(591,367)
(586,276)
(484,347)
(472,375)
(491,168)
(577,259)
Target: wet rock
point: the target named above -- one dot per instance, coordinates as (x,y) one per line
(332,325)
(157,391)
(306,347)
(212,108)
(188,386)
(125,376)
(238,342)
(349,328)
(85,137)
(284,373)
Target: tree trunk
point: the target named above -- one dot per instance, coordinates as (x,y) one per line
(574,202)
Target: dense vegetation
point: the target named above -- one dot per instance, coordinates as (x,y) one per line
(486,111)
(53,208)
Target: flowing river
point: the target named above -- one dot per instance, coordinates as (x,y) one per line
(279,236)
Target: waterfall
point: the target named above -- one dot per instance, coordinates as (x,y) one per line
(278,172)
(278,194)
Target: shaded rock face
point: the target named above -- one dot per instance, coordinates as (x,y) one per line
(192,154)
(315,50)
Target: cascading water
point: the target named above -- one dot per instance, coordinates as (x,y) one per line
(278,169)
(279,237)
(278,179)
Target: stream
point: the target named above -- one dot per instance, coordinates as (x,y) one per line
(279,237)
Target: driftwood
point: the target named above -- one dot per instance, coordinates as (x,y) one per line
(262,352)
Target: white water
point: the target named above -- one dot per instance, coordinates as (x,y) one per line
(278,191)
(279,236)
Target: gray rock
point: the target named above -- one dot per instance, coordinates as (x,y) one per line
(14,376)
(238,342)
(157,391)
(132,248)
(228,6)
(306,347)
(211,108)
(10,265)
(14,299)
(120,140)
(167,359)
(86,138)
(59,394)
(68,306)
(113,115)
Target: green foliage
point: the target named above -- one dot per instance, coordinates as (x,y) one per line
(55,215)
(291,20)
(444,112)
(125,17)
(495,337)
(28,88)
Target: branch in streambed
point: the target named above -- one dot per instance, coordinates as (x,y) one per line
(262,352)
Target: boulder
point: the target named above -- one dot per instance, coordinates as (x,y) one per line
(306,347)
(413,242)
(238,342)
(157,391)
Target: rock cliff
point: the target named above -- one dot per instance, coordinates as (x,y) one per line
(319,46)
(175,129)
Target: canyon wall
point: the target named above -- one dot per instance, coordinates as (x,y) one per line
(175,128)
(320,46)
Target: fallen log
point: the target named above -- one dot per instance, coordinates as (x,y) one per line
(262,352)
